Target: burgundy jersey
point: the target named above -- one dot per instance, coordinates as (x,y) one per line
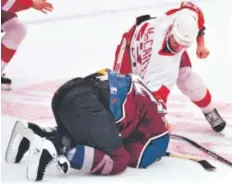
(134,107)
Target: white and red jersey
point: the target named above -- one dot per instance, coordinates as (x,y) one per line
(16,5)
(156,67)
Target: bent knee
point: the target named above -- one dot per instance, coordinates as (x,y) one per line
(191,84)
(188,78)
(20,30)
(15,29)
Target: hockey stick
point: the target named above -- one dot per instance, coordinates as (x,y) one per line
(204,163)
(214,155)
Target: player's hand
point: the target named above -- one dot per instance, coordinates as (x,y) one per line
(42,5)
(202,52)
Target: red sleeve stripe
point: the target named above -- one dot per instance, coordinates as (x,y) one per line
(17,5)
(141,31)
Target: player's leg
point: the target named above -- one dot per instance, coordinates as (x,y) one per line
(193,86)
(14,32)
(87,134)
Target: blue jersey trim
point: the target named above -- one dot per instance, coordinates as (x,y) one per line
(119,88)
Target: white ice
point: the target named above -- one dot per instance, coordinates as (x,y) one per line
(55,51)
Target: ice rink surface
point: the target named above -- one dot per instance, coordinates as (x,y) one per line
(57,50)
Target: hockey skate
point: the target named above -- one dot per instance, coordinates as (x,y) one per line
(42,151)
(19,142)
(5,83)
(215,120)
(42,154)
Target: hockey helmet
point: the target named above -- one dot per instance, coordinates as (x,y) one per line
(185,27)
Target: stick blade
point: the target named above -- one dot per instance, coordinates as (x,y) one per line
(206,165)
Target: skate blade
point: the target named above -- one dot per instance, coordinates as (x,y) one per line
(19,131)
(6,87)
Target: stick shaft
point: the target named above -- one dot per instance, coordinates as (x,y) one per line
(214,155)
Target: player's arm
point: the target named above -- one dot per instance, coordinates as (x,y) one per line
(202,51)
(20,5)
(200,38)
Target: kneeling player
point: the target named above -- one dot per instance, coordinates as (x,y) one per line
(105,123)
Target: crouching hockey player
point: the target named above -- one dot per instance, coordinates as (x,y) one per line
(105,123)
